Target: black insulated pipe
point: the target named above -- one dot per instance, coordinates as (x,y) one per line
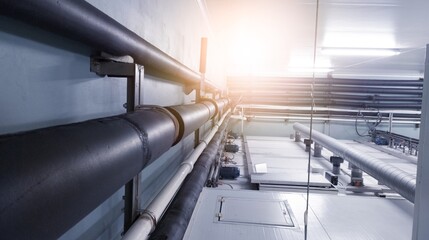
(80,21)
(192,116)
(221,103)
(51,178)
(175,220)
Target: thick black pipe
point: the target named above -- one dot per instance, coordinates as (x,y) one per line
(192,116)
(175,220)
(51,178)
(221,103)
(79,20)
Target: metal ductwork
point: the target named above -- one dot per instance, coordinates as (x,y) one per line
(396,179)
(51,178)
(80,21)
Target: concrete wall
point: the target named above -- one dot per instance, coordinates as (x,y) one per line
(45,81)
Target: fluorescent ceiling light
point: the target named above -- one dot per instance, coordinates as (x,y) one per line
(360,51)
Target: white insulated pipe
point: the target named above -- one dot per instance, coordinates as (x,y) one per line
(147,221)
(393,177)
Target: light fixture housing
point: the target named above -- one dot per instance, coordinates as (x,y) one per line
(381,52)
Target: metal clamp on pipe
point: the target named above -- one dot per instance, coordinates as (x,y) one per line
(192,116)
(164,110)
(211,105)
(151,216)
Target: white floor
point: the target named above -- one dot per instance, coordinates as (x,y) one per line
(276,211)
(286,162)
(330,216)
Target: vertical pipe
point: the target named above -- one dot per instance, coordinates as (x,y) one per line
(356,176)
(129,186)
(390,122)
(200,88)
(421,207)
(297,136)
(242,121)
(317,150)
(203,55)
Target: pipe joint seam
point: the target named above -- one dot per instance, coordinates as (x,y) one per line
(151,216)
(164,110)
(141,133)
(191,166)
(205,101)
